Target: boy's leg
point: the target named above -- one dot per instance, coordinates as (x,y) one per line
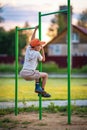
(38,88)
(44,77)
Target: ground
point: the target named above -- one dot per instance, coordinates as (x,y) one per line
(50,121)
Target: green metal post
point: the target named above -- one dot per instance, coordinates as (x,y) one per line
(21,29)
(16,65)
(40,69)
(16,71)
(51,13)
(69,62)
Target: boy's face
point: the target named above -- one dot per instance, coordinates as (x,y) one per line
(37,48)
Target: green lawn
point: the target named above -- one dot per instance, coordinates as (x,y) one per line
(56,87)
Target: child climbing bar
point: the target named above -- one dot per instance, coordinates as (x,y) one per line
(32,57)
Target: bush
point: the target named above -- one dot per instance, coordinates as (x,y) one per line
(84,69)
(50,67)
(9,68)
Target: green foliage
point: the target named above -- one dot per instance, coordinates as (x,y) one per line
(83,19)
(1,10)
(61,22)
(78,110)
(3,42)
(28,109)
(50,109)
(80,70)
(84,69)
(22,41)
(7,42)
(6,111)
(49,67)
(9,68)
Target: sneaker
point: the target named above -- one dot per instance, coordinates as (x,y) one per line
(39,90)
(45,94)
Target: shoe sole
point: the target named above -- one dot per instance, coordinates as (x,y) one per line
(42,94)
(45,96)
(39,92)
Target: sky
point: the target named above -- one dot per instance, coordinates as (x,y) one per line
(17,12)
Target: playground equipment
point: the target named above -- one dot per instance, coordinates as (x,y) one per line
(40,64)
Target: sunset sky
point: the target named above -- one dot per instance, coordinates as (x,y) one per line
(17,12)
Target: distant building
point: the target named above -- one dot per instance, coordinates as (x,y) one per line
(56,49)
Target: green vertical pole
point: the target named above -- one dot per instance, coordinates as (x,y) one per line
(40,69)
(16,71)
(69,62)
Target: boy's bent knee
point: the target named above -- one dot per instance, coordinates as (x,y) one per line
(46,75)
(43,74)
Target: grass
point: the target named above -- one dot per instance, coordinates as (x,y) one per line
(52,108)
(56,87)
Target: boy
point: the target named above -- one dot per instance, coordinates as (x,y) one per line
(32,57)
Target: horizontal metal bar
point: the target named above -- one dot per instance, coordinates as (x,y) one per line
(20,29)
(61,11)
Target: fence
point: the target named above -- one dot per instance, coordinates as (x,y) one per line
(77,61)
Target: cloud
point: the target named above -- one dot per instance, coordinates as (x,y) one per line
(16,14)
(11,13)
(76,16)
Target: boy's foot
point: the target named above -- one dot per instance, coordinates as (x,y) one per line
(39,90)
(45,94)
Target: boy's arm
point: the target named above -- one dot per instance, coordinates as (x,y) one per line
(43,54)
(33,35)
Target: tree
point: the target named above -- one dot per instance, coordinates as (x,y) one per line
(7,42)
(58,23)
(3,41)
(52,29)
(83,19)
(62,23)
(1,18)
(28,33)
(22,41)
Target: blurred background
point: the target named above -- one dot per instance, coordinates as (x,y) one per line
(24,13)
(54,30)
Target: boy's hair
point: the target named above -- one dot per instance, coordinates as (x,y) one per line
(36,42)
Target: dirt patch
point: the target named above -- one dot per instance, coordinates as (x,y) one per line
(30,121)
